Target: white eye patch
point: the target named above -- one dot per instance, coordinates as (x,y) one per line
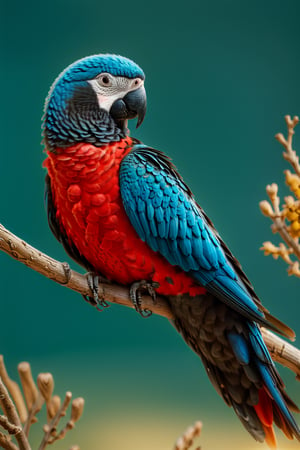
(117,88)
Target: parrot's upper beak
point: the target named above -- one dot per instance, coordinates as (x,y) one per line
(134,104)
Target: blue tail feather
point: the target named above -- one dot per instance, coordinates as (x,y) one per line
(270,377)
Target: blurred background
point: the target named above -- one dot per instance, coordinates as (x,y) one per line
(220,76)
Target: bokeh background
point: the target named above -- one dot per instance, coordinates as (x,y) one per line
(220,77)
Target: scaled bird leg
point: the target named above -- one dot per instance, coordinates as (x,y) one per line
(93,280)
(135,294)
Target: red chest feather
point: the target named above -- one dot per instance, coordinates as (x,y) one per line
(86,192)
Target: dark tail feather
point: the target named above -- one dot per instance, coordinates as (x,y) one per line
(274,404)
(238,364)
(280,326)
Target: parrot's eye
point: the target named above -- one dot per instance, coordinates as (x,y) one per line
(136,82)
(105,80)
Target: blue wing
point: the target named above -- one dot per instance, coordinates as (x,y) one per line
(165,215)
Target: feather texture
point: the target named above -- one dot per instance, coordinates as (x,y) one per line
(121,209)
(189,239)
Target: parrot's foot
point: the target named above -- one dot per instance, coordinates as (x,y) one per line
(93,280)
(135,294)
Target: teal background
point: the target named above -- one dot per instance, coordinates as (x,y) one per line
(220,76)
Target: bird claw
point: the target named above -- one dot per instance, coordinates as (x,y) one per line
(93,280)
(136,295)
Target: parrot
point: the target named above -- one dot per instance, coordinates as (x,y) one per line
(121,210)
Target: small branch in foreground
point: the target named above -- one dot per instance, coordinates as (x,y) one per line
(13,417)
(35,396)
(6,443)
(290,155)
(113,293)
(14,390)
(286,220)
(186,441)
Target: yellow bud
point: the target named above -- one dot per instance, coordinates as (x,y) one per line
(289,201)
(292,180)
(295,184)
(295,226)
(292,215)
(266,208)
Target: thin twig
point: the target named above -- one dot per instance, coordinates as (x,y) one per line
(12,415)
(33,398)
(10,427)
(286,221)
(14,391)
(290,154)
(55,270)
(6,443)
(50,429)
(279,222)
(76,413)
(36,407)
(186,441)
(280,226)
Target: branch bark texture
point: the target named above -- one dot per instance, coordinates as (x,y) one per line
(281,351)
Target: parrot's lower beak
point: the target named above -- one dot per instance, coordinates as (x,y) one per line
(133,105)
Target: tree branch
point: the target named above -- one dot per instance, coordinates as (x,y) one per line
(6,443)
(14,391)
(56,271)
(12,416)
(10,427)
(186,441)
(282,352)
(286,220)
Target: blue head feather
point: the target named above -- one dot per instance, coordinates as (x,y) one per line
(89,67)
(61,128)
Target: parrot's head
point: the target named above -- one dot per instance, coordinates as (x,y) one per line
(92,100)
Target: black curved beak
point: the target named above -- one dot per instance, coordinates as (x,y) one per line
(134,104)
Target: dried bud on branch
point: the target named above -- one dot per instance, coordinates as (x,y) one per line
(35,397)
(28,385)
(185,441)
(77,409)
(286,221)
(14,390)
(46,385)
(53,406)
(266,208)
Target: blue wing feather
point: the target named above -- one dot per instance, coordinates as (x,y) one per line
(164,213)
